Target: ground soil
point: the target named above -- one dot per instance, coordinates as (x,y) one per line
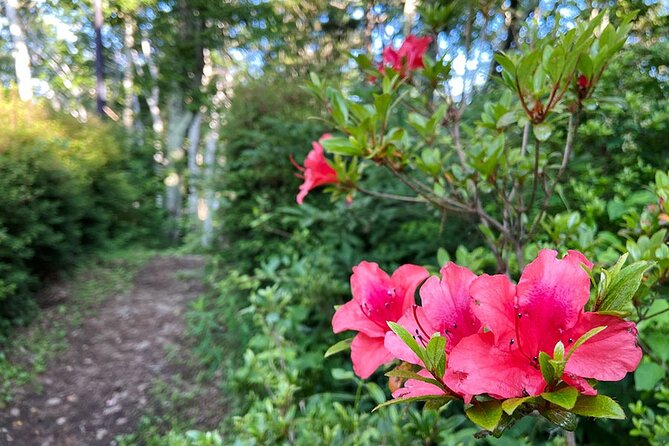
(100,386)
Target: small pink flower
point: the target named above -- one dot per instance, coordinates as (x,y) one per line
(316,171)
(377,299)
(408,57)
(523,320)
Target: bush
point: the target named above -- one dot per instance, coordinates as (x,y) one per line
(65,188)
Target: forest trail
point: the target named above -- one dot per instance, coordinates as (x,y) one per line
(100,386)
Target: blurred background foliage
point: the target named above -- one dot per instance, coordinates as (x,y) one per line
(66,190)
(232,73)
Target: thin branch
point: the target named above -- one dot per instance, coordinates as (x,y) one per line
(376,194)
(569,145)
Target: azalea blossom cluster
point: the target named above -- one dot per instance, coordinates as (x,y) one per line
(495,330)
(317,170)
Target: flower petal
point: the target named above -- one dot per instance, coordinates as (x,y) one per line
(350,317)
(493,303)
(477,366)
(368,354)
(405,280)
(317,170)
(579,384)
(383,298)
(551,296)
(414,388)
(607,356)
(447,303)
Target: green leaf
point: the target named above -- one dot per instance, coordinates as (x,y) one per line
(339,145)
(506,63)
(589,334)
(599,406)
(408,339)
(382,104)
(565,398)
(424,398)
(442,257)
(558,351)
(486,414)
(407,374)
(339,347)
(509,406)
(435,353)
(377,394)
(507,119)
(622,286)
(547,369)
(437,404)
(562,418)
(648,375)
(542,131)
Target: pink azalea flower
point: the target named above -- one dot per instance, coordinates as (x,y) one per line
(409,56)
(522,320)
(377,299)
(316,171)
(445,310)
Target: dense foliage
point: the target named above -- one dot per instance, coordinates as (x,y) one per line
(517,132)
(283,302)
(65,189)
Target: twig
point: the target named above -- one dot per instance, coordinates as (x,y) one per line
(389,196)
(569,144)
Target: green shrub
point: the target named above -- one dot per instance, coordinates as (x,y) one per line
(65,188)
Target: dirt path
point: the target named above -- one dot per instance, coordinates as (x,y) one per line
(99,387)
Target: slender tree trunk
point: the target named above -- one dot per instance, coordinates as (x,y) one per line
(193,167)
(153,98)
(369,28)
(128,81)
(101,92)
(21,55)
(179,121)
(409,13)
(207,204)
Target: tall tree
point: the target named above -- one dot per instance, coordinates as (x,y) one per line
(20,52)
(100,90)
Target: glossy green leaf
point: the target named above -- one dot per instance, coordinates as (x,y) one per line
(622,286)
(599,406)
(509,406)
(340,146)
(565,397)
(542,131)
(408,339)
(435,353)
(425,398)
(486,414)
(647,375)
(585,337)
(547,369)
(562,418)
(339,347)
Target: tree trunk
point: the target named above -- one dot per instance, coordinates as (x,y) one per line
(370,22)
(101,92)
(179,120)
(21,55)
(128,84)
(193,167)
(152,99)
(208,204)
(409,13)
